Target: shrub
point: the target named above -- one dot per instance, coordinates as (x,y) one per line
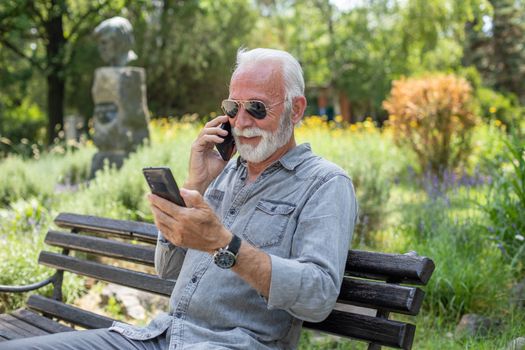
(22,228)
(495,105)
(20,124)
(434,116)
(38,178)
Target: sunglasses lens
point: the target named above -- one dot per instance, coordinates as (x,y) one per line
(256,108)
(230,108)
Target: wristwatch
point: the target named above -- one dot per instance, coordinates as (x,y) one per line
(225,257)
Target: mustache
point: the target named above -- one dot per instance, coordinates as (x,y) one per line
(248,132)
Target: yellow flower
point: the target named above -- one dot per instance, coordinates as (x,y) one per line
(492,109)
(498,122)
(353,127)
(413,124)
(338,118)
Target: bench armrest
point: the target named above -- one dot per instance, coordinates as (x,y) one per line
(27,288)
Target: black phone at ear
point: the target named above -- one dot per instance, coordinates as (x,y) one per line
(226,147)
(162,183)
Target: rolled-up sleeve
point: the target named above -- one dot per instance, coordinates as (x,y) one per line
(168,258)
(307,284)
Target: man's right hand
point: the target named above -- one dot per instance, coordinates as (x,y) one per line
(205,162)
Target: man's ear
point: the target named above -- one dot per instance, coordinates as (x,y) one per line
(298,107)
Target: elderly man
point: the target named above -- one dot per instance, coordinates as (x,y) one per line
(262,243)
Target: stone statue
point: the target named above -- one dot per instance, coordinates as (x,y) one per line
(119,94)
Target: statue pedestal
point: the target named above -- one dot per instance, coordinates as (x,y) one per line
(121,114)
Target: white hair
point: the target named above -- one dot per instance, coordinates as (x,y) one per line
(292,71)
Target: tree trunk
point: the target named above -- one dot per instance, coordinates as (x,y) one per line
(55,73)
(55,105)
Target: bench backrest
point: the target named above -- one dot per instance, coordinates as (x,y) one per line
(371,288)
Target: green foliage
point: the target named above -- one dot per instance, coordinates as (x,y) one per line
(488,144)
(506,205)
(23,227)
(39,177)
(495,105)
(452,238)
(19,125)
(183,76)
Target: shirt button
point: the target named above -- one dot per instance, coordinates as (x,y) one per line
(194,279)
(232,211)
(178,315)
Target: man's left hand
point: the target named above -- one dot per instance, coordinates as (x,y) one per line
(195,226)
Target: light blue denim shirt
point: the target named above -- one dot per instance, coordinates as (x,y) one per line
(301,211)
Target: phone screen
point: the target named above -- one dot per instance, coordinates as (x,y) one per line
(226,147)
(162,183)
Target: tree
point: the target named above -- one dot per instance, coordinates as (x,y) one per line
(495,46)
(508,46)
(357,51)
(188,49)
(44,33)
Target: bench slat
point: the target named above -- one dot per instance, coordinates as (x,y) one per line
(9,331)
(29,329)
(371,329)
(126,251)
(68,313)
(394,268)
(41,322)
(124,228)
(386,296)
(124,277)
(6,334)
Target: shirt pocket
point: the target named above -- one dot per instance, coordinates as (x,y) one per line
(267,225)
(214,198)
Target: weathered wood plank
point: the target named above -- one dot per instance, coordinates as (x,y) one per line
(120,250)
(371,329)
(12,330)
(125,228)
(394,268)
(29,329)
(41,322)
(68,313)
(124,277)
(386,296)
(6,334)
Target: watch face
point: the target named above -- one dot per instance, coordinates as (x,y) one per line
(224,259)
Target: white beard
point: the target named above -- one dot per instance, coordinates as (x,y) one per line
(270,141)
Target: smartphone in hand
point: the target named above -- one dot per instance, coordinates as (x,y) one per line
(226,147)
(162,183)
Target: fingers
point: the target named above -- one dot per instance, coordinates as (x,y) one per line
(164,205)
(193,199)
(217,121)
(211,133)
(167,225)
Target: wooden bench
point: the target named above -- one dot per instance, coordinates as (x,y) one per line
(363,287)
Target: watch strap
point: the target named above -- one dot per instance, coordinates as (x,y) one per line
(235,245)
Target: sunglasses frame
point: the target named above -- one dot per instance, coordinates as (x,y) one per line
(240,103)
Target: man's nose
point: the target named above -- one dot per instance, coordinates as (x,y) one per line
(243,119)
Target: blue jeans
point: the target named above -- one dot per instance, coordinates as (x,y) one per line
(94,339)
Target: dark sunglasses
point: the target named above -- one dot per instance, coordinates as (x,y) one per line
(257,109)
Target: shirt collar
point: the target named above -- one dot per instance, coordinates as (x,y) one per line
(291,159)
